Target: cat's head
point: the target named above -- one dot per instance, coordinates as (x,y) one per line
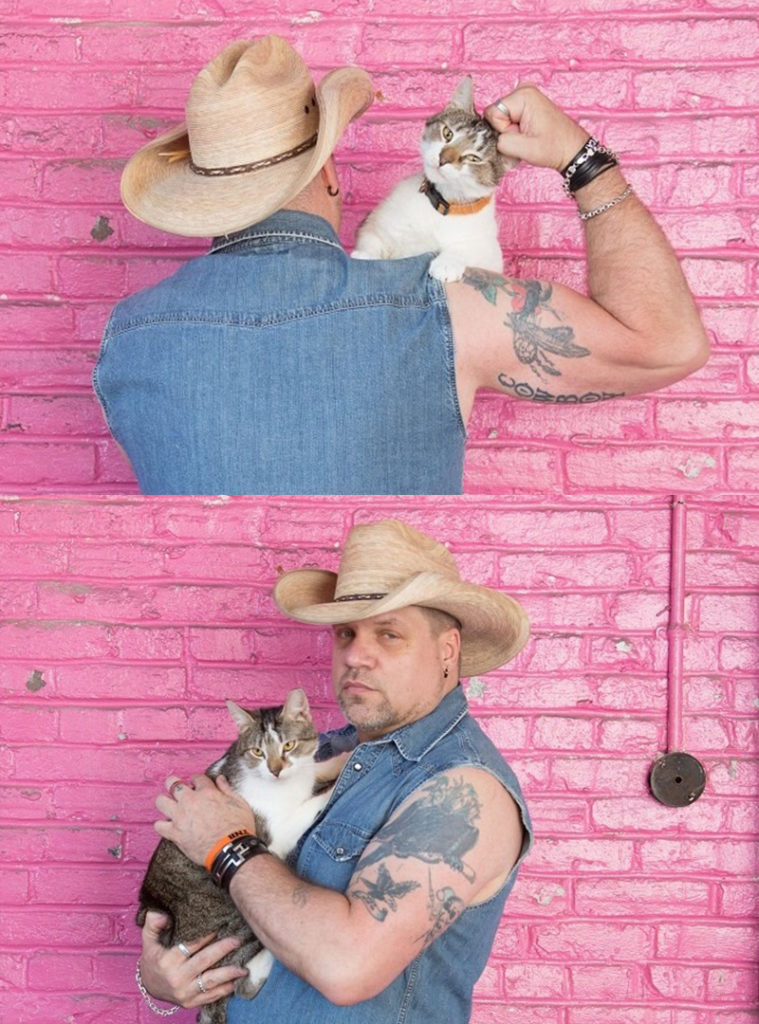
(459,148)
(272,741)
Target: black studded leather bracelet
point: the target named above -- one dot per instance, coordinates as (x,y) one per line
(232,856)
(593,159)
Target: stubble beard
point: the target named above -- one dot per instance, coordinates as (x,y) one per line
(370,712)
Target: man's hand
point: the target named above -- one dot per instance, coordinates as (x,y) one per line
(170,975)
(535,129)
(200,814)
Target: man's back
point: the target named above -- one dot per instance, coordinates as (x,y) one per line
(278,365)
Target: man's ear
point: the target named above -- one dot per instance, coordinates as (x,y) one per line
(329,177)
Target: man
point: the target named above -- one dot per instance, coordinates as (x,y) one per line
(400,886)
(276,364)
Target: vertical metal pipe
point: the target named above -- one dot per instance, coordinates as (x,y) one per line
(676,626)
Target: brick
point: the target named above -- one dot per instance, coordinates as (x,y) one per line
(555,733)
(581,855)
(677,982)
(60,971)
(714,419)
(596,940)
(732,856)
(488,469)
(657,467)
(741,468)
(614,897)
(732,984)
(710,941)
(644,814)
(601,982)
(51,415)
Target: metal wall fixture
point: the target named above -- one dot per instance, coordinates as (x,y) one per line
(677,779)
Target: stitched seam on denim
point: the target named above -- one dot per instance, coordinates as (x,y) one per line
(441,300)
(253,240)
(269,320)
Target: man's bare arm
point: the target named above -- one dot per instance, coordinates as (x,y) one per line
(638,330)
(352,945)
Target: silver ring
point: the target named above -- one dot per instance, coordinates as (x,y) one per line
(183,949)
(500,105)
(199,983)
(175,786)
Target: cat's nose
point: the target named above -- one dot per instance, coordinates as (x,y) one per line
(448,155)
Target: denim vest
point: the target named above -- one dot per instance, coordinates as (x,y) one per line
(378,777)
(276,364)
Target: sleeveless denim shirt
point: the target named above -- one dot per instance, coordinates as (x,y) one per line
(378,777)
(275,364)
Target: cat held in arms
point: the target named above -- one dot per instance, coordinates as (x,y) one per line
(450,207)
(272,766)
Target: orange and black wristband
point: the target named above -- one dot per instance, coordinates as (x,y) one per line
(230,853)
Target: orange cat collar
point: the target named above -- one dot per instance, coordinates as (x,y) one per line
(218,847)
(444,207)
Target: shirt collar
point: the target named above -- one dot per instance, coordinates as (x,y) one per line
(292,225)
(415,740)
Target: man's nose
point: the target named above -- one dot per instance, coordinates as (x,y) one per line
(358,652)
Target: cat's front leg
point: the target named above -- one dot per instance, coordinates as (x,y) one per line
(448,266)
(259,968)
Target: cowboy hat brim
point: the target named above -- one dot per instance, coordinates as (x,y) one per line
(167,194)
(494,627)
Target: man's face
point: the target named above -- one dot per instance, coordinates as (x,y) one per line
(387,671)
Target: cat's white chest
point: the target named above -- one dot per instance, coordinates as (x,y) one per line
(407,224)
(286,804)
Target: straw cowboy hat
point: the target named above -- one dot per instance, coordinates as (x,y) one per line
(388,565)
(256,132)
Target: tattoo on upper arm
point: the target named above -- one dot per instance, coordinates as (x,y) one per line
(381,896)
(524,390)
(534,342)
(437,828)
(443,907)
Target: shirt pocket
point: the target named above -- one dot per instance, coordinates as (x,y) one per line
(331,853)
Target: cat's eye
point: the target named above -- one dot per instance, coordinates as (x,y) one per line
(446,133)
(290,745)
(256,751)
(472,158)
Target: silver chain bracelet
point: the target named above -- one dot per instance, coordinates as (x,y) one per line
(607,206)
(148,999)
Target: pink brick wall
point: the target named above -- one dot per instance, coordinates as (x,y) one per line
(126,621)
(671,84)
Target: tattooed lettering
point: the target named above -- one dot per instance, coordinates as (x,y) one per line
(443,906)
(438,827)
(524,390)
(382,896)
(533,341)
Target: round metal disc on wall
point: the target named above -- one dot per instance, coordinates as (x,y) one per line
(677,779)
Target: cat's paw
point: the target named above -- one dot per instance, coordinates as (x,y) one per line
(259,969)
(446,267)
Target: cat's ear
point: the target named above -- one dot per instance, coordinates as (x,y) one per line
(240,715)
(296,704)
(463,97)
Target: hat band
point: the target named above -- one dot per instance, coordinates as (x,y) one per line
(257,165)
(361,597)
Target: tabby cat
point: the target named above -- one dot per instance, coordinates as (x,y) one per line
(462,169)
(271,764)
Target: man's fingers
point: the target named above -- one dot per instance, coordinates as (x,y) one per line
(209,953)
(155,922)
